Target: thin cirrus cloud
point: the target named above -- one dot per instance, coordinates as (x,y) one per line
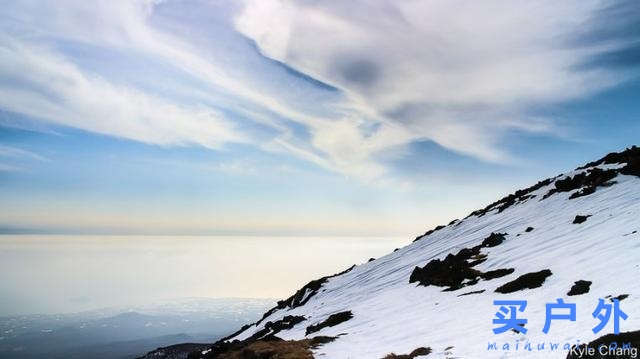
(55,90)
(12,157)
(14,152)
(459,74)
(335,83)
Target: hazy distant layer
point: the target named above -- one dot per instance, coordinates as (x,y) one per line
(125,332)
(51,274)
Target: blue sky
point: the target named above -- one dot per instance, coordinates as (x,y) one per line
(301,117)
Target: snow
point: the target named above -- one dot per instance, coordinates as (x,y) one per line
(392,315)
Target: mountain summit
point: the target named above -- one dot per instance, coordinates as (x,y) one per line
(570,239)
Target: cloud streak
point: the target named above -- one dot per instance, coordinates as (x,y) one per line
(335,83)
(457,74)
(14,152)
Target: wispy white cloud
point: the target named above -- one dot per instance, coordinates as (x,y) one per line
(14,152)
(15,159)
(461,75)
(52,88)
(9,168)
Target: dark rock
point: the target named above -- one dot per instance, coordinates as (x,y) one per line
(456,270)
(517,332)
(525,281)
(302,296)
(272,328)
(331,321)
(429,232)
(583,192)
(450,272)
(580,219)
(371,260)
(415,353)
(498,273)
(477,259)
(587,181)
(320,340)
(178,351)
(598,177)
(420,351)
(529,229)
(579,287)
(470,293)
(632,168)
(626,156)
(508,201)
(493,240)
(621,297)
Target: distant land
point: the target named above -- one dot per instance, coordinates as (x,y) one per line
(122,332)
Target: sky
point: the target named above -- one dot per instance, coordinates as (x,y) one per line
(306,118)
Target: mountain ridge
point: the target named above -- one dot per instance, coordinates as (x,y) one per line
(514,247)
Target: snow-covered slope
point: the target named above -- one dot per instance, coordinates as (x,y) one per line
(377,310)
